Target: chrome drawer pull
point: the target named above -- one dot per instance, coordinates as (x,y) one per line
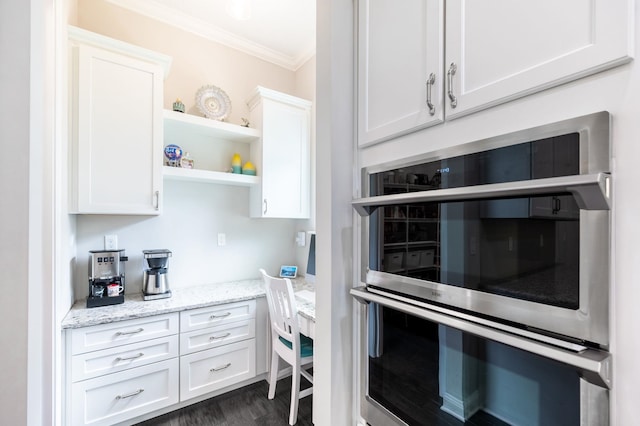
(220,337)
(213,370)
(127,358)
(214,316)
(129,395)
(124,333)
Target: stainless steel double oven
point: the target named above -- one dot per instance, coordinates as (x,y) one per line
(486,269)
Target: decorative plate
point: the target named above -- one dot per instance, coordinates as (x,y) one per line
(213,102)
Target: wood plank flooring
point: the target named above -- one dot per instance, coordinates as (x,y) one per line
(247,406)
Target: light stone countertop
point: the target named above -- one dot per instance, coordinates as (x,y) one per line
(181,299)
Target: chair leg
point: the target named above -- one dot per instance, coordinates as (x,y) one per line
(295,395)
(273,375)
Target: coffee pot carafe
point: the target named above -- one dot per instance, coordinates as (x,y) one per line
(155,282)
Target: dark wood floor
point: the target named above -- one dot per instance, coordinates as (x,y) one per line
(243,407)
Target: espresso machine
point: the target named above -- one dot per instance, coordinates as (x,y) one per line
(106,277)
(155,282)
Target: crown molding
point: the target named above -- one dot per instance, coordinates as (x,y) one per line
(175,18)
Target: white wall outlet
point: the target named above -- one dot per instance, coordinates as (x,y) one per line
(222,239)
(301,239)
(110,242)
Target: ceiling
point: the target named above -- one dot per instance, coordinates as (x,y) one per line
(279,31)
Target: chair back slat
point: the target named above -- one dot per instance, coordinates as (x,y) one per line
(283,312)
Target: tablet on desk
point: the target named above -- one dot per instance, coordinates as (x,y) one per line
(288,271)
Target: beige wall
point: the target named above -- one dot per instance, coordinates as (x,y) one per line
(196,61)
(201,210)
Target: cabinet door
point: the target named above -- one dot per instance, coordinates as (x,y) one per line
(400,45)
(282,155)
(118,397)
(118,134)
(506,49)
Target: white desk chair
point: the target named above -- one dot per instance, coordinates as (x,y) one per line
(287,342)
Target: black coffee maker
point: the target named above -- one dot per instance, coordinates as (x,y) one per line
(106,277)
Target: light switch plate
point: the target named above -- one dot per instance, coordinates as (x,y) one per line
(222,239)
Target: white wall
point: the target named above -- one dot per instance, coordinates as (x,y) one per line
(26,216)
(615,91)
(15,49)
(195,213)
(306,89)
(333,395)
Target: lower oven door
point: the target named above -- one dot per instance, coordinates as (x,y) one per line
(419,366)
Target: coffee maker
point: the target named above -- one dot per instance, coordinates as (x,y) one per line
(106,277)
(155,283)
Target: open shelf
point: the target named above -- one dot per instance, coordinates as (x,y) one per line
(187,125)
(206,176)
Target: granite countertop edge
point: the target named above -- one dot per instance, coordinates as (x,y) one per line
(182,299)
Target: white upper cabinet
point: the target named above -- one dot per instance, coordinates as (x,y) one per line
(281,155)
(400,63)
(116,127)
(482,53)
(505,49)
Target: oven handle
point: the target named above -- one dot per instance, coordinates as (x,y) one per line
(591,192)
(594,365)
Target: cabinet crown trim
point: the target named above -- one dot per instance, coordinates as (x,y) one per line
(263,93)
(83,36)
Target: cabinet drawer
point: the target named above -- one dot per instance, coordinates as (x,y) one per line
(219,335)
(121,333)
(214,369)
(121,396)
(196,319)
(98,363)
(307,326)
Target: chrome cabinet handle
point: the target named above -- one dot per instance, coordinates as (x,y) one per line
(130,394)
(128,358)
(220,337)
(214,369)
(157,197)
(125,333)
(452,70)
(214,316)
(265,206)
(430,81)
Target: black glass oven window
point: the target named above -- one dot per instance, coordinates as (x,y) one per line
(430,374)
(525,248)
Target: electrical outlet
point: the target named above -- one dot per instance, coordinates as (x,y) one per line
(110,242)
(222,239)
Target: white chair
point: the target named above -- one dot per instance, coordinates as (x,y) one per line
(286,341)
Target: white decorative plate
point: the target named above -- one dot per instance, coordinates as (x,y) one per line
(213,102)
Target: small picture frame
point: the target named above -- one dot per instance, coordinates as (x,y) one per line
(288,271)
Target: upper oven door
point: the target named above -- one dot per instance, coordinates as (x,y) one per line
(516,228)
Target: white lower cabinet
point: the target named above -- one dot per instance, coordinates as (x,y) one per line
(119,371)
(122,370)
(217,347)
(121,396)
(214,369)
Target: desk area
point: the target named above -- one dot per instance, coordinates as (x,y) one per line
(306,303)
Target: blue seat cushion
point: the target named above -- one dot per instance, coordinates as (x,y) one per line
(306,345)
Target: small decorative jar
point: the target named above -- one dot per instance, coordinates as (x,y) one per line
(178,106)
(249,169)
(236,164)
(186,162)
